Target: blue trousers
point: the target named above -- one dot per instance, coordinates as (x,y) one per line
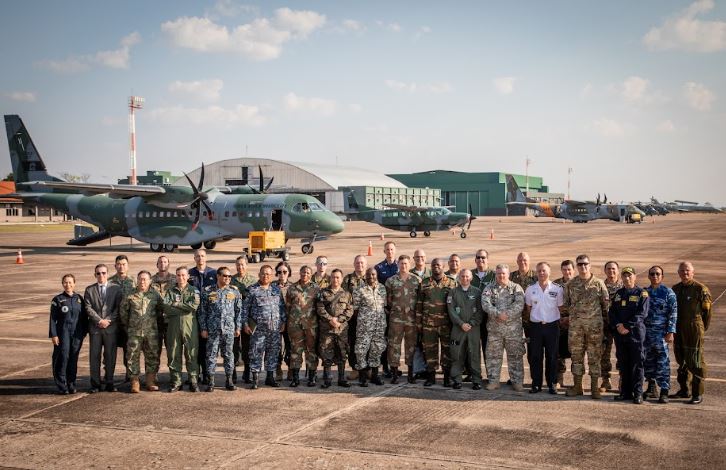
(264,344)
(657,363)
(220,342)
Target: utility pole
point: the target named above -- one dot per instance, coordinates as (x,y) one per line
(135,102)
(527,162)
(569,181)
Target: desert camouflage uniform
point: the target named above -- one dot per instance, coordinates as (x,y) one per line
(432,321)
(694,315)
(426,272)
(661,320)
(370,304)
(128,286)
(606,364)
(333,346)
(302,324)
(585,302)
(506,335)
(401,298)
(323,282)
(180,314)
(265,308)
(139,314)
(464,306)
(220,315)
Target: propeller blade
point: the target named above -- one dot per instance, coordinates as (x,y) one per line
(606,199)
(269,184)
(262,179)
(209,209)
(194,188)
(195,224)
(201,178)
(471,216)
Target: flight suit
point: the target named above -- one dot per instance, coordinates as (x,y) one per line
(694,315)
(464,306)
(480,283)
(629,308)
(69,323)
(504,335)
(182,332)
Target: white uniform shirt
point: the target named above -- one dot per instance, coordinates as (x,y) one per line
(545,303)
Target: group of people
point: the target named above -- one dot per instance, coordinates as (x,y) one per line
(453,315)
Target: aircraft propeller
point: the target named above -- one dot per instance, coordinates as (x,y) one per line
(200,198)
(471,217)
(263,189)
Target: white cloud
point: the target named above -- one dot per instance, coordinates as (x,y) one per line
(504,85)
(260,39)
(229,8)
(393,27)
(321,106)
(23,96)
(114,58)
(686,32)
(242,115)
(203,90)
(413,87)
(666,127)
(634,89)
(608,128)
(698,96)
(421,31)
(353,25)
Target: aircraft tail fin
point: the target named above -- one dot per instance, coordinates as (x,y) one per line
(514,194)
(26,162)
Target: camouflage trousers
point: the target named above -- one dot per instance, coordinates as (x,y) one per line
(333,347)
(303,333)
(431,338)
(147,344)
(657,363)
(585,336)
(370,339)
(505,337)
(264,344)
(217,342)
(182,342)
(401,331)
(607,349)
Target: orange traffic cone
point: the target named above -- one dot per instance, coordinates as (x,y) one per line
(382,237)
(19,258)
(491,234)
(370,248)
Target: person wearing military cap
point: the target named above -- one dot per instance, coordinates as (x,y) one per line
(627,313)
(465,311)
(613,283)
(67,329)
(334,307)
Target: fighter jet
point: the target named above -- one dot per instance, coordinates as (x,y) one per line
(165,216)
(576,211)
(411,218)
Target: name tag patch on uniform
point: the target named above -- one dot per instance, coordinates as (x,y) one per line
(178,298)
(230,296)
(472,297)
(552,294)
(633,298)
(623,303)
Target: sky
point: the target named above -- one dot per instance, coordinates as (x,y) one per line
(630,95)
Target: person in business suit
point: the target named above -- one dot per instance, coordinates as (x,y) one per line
(102,301)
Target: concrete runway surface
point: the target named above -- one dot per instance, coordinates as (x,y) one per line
(402,426)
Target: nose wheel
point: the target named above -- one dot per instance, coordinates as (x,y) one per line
(462,234)
(412,234)
(427,233)
(307,248)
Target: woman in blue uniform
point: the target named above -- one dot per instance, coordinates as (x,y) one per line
(68,325)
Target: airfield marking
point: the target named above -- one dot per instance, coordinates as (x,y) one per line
(32,340)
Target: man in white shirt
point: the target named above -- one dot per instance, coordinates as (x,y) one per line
(543,302)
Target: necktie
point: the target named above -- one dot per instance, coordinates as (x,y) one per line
(102,289)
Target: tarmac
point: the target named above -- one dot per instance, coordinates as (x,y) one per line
(402,426)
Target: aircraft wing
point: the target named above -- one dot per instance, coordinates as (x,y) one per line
(578,203)
(403,207)
(113,190)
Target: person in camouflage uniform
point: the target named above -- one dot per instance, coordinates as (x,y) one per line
(420,268)
(465,312)
(401,297)
(386,269)
(613,283)
(370,303)
(321,278)
(480,277)
(263,317)
(334,306)
(283,273)
(180,312)
(162,281)
(454,267)
(351,282)
(660,328)
(694,315)
(242,280)
(432,322)
(525,277)
(503,301)
(127,285)
(220,320)
(586,298)
(139,313)
(567,267)
(302,326)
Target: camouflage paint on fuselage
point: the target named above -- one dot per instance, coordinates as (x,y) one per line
(432,219)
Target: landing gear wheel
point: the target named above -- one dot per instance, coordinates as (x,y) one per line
(412,234)
(262,256)
(307,248)
(285,256)
(427,233)
(156,247)
(210,244)
(463,235)
(195,246)
(255,258)
(169,248)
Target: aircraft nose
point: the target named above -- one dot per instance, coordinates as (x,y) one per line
(335,223)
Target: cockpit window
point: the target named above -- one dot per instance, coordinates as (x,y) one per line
(315,206)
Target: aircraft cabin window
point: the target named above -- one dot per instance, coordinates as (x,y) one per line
(234,213)
(204,213)
(315,206)
(226,213)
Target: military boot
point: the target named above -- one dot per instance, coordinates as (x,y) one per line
(363,377)
(230,384)
(663,396)
(394,372)
(447,377)
(270,380)
(246,374)
(375,378)
(312,377)
(210,384)
(560,380)
(650,391)
(605,385)
(327,377)
(594,390)
(135,385)
(430,378)
(411,376)
(234,374)
(278,373)
(295,378)
(576,389)
(151,382)
(342,382)
(193,385)
(253,381)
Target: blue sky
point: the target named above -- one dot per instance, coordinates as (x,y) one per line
(629,94)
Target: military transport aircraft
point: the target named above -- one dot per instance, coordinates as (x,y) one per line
(165,216)
(411,218)
(576,211)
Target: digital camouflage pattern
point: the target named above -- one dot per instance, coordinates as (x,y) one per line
(586,302)
(606,365)
(432,321)
(220,315)
(182,333)
(139,314)
(401,298)
(661,320)
(370,305)
(265,308)
(464,306)
(302,324)
(694,315)
(504,335)
(333,342)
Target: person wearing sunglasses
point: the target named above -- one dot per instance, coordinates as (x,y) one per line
(282,273)
(660,327)
(242,280)
(481,275)
(321,278)
(67,329)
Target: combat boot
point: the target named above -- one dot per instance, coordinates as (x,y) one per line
(295,378)
(447,377)
(246,374)
(342,382)
(363,377)
(375,378)
(327,377)
(411,375)
(230,384)
(312,377)
(394,372)
(278,373)
(270,380)
(430,378)
(193,385)
(253,381)
(135,385)
(650,391)
(576,389)
(234,374)
(594,391)
(560,380)
(151,382)
(492,385)
(663,396)
(605,385)
(210,384)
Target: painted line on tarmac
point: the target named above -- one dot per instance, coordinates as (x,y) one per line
(29,340)
(64,402)
(719,297)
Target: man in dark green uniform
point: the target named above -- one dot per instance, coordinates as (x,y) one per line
(180,312)
(465,312)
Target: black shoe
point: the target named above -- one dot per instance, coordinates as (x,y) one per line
(663,398)
(174,388)
(327,378)
(456,385)
(246,375)
(295,378)
(270,379)
(375,378)
(552,390)
(447,378)
(312,378)
(94,390)
(193,387)
(430,379)
(535,389)
(387,373)
(342,381)
(682,393)
(234,374)
(476,387)
(230,384)
(466,378)
(363,377)
(622,397)
(72,390)
(650,391)
(394,375)
(696,400)
(509,382)
(62,392)
(638,400)
(411,376)
(110,388)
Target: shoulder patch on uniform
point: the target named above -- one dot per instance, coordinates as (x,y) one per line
(644,294)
